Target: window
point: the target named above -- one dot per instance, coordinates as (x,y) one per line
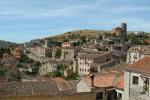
(135,80)
(99,95)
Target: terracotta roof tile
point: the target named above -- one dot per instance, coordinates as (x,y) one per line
(101,80)
(93,55)
(141,66)
(62,84)
(119,83)
(105,80)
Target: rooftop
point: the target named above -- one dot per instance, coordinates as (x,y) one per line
(142,66)
(119,83)
(101,80)
(44,88)
(143,49)
(93,55)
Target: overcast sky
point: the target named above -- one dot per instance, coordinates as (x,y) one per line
(23,20)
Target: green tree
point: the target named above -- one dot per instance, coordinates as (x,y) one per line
(73,76)
(76,43)
(2,72)
(25,59)
(58,53)
(19,66)
(4,50)
(65,40)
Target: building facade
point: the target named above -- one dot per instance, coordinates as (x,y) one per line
(136,53)
(137,80)
(85,61)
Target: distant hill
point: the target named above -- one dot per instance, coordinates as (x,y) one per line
(6,44)
(89,33)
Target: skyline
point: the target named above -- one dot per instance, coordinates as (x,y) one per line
(23,20)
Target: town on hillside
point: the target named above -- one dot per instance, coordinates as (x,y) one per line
(78,65)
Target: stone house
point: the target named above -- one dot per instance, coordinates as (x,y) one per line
(85,60)
(17,53)
(41,51)
(66,44)
(137,80)
(52,65)
(69,52)
(46,68)
(136,53)
(104,85)
(90,47)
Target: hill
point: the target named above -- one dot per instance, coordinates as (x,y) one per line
(73,34)
(6,44)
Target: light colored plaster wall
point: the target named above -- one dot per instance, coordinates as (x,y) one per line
(126,84)
(84,64)
(83,87)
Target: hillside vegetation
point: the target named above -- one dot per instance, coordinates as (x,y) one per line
(77,33)
(6,44)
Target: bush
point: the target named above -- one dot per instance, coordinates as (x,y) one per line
(25,59)
(74,76)
(19,66)
(2,72)
(58,53)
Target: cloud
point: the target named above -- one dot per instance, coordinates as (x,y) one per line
(15,10)
(34,17)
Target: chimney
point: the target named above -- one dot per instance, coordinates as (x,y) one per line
(92,79)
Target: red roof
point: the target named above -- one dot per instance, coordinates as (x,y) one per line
(119,83)
(141,66)
(101,80)
(62,84)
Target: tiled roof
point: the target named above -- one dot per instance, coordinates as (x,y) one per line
(143,49)
(141,66)
(28,88)
(62,84)
(93,55)
(104,80)
(119,83)
(101,80)
(66,87)
(43,88)
(119,67)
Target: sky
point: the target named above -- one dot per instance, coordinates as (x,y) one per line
(23,20)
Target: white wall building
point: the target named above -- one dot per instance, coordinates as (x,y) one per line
(86,60)
(137,80)
(136,53)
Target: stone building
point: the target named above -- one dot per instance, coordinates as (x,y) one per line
(69,52)
(85,61)
(105,85)
(137,80)
(45,68)
(41,51)
(136,53)
(66,44)
(17,53)
(120,31)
